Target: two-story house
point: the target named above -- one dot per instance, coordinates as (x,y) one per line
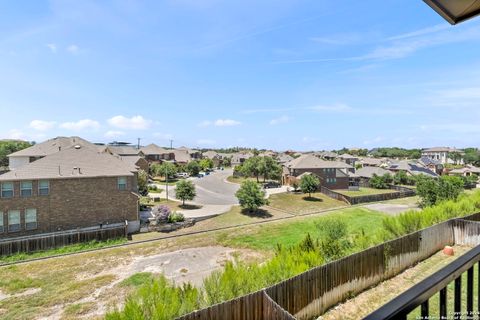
(332,174)
(74,188)
(444,155)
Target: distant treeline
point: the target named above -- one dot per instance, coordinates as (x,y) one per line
(11,146)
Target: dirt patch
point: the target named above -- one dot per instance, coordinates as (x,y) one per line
(27,292)
(392,209)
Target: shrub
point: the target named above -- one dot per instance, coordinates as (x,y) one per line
(380,182)
(185,190)
(176,217)
(160,300)
(433,191)
(162,213)
(334,242)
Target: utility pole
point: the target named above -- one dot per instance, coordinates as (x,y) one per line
(166,181)
(138,144)
(171,144)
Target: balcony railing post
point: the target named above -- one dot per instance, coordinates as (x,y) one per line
(424,310)
(443,303)
(457,307)
(470,293)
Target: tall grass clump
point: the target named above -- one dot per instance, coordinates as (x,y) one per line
(159,300)
(411,221)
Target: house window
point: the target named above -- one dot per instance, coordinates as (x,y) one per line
(43,187)
(2,229)
(26,188)
(14,220)
(30,219)
(122,183)
(7,190)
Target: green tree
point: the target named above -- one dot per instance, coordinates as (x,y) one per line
(432,191)
(193,168)
(226,162)
(206,163)
(400,177)
(456,157)
(166,169)
(309,183)
(142,181)
(185,190)
(252,167)
(472,156)
(8,147)
(270,169)
(251,196)
(380,182)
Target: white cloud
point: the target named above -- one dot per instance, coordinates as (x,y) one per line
(339,107)
(456,97)
(114,134)
(205,142)
(226,123)
(73,48)
(421,32)
(280,120)
(220,123)
(80,125)
(42,125)
(133,123)
(52,47)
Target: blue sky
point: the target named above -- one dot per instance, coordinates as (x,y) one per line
(298,75)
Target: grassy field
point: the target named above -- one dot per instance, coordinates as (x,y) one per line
(290,232)
(299,203)
(364,192)
(239,180)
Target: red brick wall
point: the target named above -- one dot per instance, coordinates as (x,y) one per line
(74,203)
(341,182)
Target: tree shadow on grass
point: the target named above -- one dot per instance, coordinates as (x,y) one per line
(312,199)
(259,213)
(187,206)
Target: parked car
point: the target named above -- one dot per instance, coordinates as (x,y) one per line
(182,175)
(271,184)
(201,175)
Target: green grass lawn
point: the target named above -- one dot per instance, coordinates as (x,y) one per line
(291,232)
(299,203)
(239,180)
(364,192)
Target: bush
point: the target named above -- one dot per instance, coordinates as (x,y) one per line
(433,191)
(334,242)
(380,182)
(162,214)
(159,300)
(176,217)
(412,221)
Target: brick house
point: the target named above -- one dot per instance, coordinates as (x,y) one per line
(332,174)
(154,153)
(73,188)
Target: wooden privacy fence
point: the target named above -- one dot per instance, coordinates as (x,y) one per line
(401,192)
(59,239)
(310,294)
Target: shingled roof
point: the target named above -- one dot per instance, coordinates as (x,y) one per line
(309,161)
(73,162)
(55,145)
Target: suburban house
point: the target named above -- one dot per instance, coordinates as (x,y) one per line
(371,162)
(444,155)
(466,171)
(328,155)
(124,151)
(349,159)
(194,154)
(363,175)
(136,162)
(412,168)
(240,157)
(182,156)
(74,188)
(283,158)
(40,150)
(154,153)
(432,164)
(332,174)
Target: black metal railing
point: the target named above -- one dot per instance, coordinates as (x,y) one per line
(420,294)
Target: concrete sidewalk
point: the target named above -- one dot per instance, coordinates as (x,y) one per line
(207,211)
